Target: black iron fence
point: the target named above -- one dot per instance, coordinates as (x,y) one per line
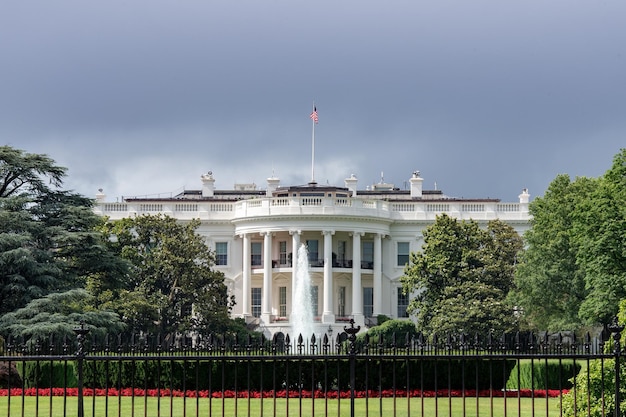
(518,375)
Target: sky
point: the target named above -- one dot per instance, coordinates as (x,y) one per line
(484,98)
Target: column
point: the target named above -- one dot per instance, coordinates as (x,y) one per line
(266,304)
(247,284)
(378,275)
(357,288)
(328,315)
(295,247)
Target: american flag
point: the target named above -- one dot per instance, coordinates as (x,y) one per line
(314,115)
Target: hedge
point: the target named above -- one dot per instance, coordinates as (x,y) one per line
(230,374)
(552,374)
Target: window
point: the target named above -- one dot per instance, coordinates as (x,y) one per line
(403,303)
(342,302)
(256,302)
(341,253)
(312,247)
(282,253)
(221,253)
(403,253)
(367,260)
(314,297)
(282,301)
(368,301)
(256,250)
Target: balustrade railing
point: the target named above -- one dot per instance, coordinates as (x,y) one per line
(287,205)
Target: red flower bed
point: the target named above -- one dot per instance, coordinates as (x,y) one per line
(138,392)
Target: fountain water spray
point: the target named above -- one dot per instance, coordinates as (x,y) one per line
(301,318)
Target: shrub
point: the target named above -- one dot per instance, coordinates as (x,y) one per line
(542,375)
(385,333)
(594,395)
(42,374)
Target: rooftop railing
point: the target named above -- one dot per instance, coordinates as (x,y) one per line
(319,206)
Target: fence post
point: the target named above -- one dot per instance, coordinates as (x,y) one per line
(81,332)
(352,331)
(616,329)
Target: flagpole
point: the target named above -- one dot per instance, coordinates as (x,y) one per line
(313,121)
(313,148)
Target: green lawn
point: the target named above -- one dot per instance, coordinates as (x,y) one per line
(161,407)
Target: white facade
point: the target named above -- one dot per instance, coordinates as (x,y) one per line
(358,241)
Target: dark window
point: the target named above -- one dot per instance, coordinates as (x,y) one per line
(403,303)
(368,301)
(282,253)
(256,302)
(282,301)
(221,253)
(403,253)
(312,248)
(256,250)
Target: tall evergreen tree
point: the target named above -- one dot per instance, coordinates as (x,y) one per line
(48,237)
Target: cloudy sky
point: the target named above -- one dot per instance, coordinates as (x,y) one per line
(483,97)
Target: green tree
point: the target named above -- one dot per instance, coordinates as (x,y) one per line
(600,229)
(461,277)
(172,287)
(573,272)
(549,285)
(48,237)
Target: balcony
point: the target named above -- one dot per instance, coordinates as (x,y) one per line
(317,263)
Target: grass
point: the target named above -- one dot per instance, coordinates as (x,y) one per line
(183,407)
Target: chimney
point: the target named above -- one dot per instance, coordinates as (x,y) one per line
(272,185)
(416,185)
(100,196)
(351,184)
(524,197)
(208,184)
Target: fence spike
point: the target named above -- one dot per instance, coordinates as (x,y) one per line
(287,342)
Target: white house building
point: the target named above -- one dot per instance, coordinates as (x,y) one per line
(358,241)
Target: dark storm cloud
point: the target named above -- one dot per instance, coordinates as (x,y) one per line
(483,97)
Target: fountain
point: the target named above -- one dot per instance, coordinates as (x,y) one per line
(301,318)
